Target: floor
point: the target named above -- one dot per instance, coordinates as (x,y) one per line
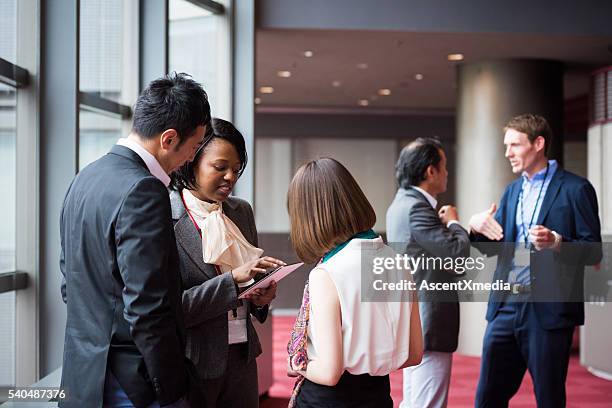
(583,389)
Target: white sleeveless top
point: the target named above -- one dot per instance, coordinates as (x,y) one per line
(375,335)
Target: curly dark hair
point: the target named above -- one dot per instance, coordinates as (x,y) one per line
(185,176)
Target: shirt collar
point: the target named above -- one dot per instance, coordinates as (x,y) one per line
(429,197)
(152,164)
(552,167)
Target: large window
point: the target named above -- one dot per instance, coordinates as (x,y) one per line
(8,29)
(98,132)
(7,232)
(107,74)
(199,45)
(8,37)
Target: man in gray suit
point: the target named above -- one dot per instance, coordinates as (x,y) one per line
(412,222)
(125,335)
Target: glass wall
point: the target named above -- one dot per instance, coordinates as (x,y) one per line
(101,49)
(8,29)
(32,142)
(98,132)
(8,38)
(103,67)
(199,44)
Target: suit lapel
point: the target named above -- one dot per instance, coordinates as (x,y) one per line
(551,194)
(188,237)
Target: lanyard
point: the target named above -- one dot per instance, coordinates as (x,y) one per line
(535,208)
(195,224)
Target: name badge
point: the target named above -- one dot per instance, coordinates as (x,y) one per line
(522,256)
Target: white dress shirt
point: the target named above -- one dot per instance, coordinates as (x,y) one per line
(152,164)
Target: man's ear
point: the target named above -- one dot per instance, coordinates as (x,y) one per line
(539,143)
(430,172)
(168,139)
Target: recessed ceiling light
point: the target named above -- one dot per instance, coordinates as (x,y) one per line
(284,74)
(455,57)
(266,90)
(418,77)
(384,92)
(308,54)
(362,65)
(257,101)
(336,84)
(363,102)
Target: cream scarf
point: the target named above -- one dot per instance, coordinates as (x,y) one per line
(222,242)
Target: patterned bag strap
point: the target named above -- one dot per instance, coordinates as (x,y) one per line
(297,346)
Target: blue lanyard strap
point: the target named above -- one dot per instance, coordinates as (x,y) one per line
(535,208)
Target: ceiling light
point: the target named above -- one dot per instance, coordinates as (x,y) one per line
(362,65)
(418,77)
(384,92)
(257,101)
(363,102)
(266,90)
(455,57)
(336,84)
(284,74)
(308,54)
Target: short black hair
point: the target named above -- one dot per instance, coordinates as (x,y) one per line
(174,101)
(415,158)
(185,176)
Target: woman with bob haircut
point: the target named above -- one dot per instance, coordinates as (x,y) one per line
(217,245)
(342,350)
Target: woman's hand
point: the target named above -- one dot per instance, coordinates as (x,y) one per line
(246,272)
(290,371)
(262,297)
(293,373)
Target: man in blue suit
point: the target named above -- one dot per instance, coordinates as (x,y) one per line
(550,220)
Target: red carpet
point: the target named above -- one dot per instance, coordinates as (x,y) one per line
(583,389)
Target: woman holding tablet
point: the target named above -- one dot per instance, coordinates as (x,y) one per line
(217,244)
(343,349)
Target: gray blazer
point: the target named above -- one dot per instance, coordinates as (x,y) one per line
(411,221)
(207,296)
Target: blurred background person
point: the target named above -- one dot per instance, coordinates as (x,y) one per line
(414,223)
(551,218)
(217,244)
(342,349)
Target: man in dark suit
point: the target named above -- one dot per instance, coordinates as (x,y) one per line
(124,343)
(412,222)
(550,219)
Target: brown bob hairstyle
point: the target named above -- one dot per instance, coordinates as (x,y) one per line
(326,208)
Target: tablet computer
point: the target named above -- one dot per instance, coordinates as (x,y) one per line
(276,275)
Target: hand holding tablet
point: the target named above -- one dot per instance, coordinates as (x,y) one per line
(276,275)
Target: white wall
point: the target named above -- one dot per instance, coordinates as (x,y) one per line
(370,161)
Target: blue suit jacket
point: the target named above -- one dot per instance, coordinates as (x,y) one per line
(557,278)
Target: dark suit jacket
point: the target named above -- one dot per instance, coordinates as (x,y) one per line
(569,208)
(413,223)
(122,288)
(207,296)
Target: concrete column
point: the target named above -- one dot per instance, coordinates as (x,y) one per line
(489,94)
(595,335)
(600,144)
